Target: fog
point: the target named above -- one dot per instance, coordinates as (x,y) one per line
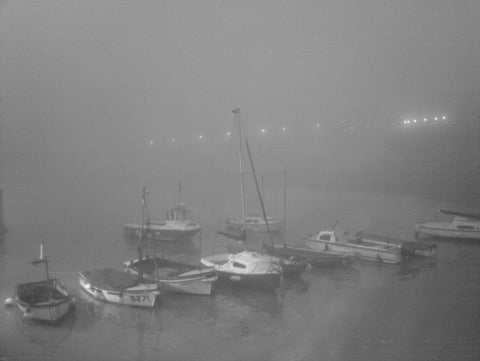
(94,92)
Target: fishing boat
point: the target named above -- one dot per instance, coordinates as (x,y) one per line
(45,301)
(247,268)
(252,222)
(119,287)
(174,276)
(464,225)
(177,225)
(171,275)
(338,240)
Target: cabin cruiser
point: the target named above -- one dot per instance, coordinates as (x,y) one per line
(464,225)
(339,240)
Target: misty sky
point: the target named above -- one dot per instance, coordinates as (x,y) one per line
(92,75)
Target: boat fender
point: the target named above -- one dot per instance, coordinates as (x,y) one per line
(235,278)
(27,315)
(10,301)
(308,267)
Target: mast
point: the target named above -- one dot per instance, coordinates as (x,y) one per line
(285,208)
(140,236)
(236,111)
(258,190)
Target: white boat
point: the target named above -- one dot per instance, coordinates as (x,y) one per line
(338,240)
(254,223)
(251,222)
(119,287)
(178,224)
(174,276)
(464,225)
(45,301)
(247,268)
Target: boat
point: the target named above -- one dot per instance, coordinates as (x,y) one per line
(119,287)
(252,222)
(247,268)
(44,301)
(464,225)
(339,240)
(409,249)
(177,225)
(174,276)
(313,257)
(171,275)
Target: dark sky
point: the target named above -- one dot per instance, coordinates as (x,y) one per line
(94,75)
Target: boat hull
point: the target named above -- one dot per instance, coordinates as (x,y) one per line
(374,254)
(174,276)
(264,274)
(446,230)
(164,233)
(50,310)
(143,295)
(236,227)
(314,257)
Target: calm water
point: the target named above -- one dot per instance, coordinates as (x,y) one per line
(420,310)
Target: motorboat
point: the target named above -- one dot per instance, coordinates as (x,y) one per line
(119,287)
(174,276)
(339,240)
(464,225)
(178,224)
(45,301)
(247,268)
(314,257)
(409,249)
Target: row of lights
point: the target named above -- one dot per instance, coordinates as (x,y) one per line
(318,126)
(425,120)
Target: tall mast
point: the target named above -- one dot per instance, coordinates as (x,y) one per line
(285,207)
(236,111)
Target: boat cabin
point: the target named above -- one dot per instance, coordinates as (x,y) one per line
(333,235)
(178,213)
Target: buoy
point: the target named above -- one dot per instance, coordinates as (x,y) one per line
(10,301)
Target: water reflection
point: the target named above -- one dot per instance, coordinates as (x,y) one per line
(415,266)
(45,335)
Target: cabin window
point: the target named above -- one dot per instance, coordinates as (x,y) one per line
(325,237)
(465,227)
(239,265)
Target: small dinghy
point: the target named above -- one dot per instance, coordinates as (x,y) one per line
(118,287)
(43,301)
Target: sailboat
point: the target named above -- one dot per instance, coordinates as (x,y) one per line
(246,268)
(177,225)
(248,222)
(46,301)
(170,274)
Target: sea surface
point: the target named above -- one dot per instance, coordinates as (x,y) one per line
(423,309)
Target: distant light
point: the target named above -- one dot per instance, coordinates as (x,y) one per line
(200,136)
(414,120)
(318,125)
(228,133)
(284,129)
(150,142)
(263,130)
(444,117)
(435,118)
(174,140)
(424,119)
